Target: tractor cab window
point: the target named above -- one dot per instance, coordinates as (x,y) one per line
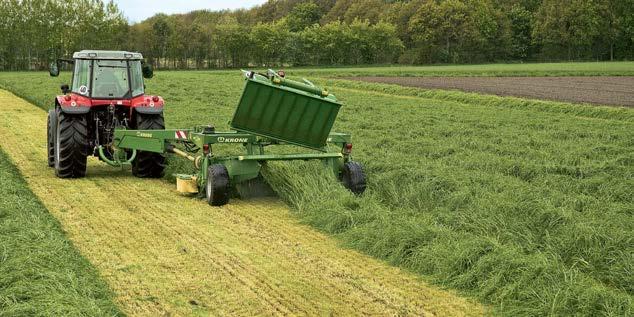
(136,78)
(81,77)
(110,79)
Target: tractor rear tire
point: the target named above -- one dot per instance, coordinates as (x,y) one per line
(217,188)
(353,178)
(51,131)
(71,145)
(149,164)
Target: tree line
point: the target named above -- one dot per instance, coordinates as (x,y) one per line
(324,32)
(33,32)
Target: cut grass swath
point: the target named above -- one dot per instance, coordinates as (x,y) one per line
(41,273)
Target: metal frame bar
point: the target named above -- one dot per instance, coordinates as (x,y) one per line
(240,167)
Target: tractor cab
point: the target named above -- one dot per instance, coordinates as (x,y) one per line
(105,74)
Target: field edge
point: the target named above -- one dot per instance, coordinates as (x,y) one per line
(488,100)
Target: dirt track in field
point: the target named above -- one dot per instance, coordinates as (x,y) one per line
(616,91)
(165,254)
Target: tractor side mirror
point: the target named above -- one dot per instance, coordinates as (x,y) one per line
(147,70)
(53,69)
(65,89)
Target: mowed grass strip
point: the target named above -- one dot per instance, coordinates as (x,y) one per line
(41,272)
(167,254)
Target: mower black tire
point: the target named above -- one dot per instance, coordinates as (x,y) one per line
(71,145)
(149,164)
(353,178)
(51,132)
(217,188)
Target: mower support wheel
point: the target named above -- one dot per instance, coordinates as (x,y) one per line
(71,145)
(217,188)
(51,132)
(149,164)
(353,178)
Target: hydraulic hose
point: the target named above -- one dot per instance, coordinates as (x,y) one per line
(116,162)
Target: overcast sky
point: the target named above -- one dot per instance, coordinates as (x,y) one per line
(138,10)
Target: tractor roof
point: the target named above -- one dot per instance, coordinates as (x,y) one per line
(117,55)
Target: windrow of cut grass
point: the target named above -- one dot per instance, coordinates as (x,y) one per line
(41,272)
(524,204)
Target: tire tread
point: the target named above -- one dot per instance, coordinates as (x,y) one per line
(353,177)
(218,178)
(73,143)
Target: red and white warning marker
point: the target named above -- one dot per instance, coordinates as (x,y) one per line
(180,134)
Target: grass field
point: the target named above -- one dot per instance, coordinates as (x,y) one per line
(41,273)
(164,254)
(526,205)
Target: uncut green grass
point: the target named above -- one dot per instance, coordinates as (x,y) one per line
(526,205)
(528,210)
(41,273)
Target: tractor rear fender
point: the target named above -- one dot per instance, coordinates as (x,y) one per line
(72,105)
(148,104)
(148,110)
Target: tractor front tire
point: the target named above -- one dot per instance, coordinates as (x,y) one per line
(51,131)
(353,178)
(71,145)
(217,187)
(149,164)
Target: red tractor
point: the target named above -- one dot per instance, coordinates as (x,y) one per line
(107,91)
